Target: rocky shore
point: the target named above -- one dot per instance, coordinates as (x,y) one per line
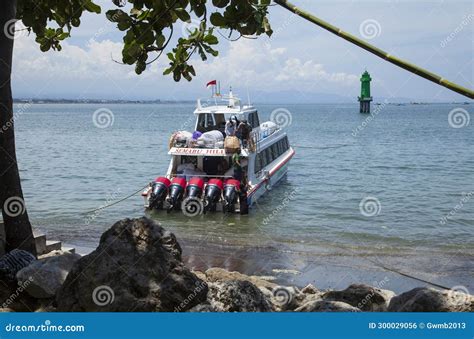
(138,267)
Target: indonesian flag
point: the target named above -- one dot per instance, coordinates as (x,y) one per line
(211,83)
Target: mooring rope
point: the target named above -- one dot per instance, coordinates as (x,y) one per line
(117,201)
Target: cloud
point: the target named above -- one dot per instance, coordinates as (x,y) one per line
(89,71)
(256,62)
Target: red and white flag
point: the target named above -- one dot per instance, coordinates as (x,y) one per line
(211,83)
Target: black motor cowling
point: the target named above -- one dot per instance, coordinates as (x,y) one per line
(159,191)
(212,194)
(176,193)
(195,187)
(231,193)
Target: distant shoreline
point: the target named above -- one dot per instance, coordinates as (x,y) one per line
(99,101)
(113,101)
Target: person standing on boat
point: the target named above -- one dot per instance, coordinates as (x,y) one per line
(237,165)
(231,126)
(243,132)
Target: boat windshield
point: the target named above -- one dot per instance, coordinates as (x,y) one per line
(214,121)
(210,122)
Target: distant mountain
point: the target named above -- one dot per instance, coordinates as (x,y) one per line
(311,98)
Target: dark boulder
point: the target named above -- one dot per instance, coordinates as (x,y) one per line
(423,299)
(362,296)
(237,296)
(136,267)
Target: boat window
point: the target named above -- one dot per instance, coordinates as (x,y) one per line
(258,163)
(274,151)
(253,119)
(206,122)
(280,147)
(268,156)
(220,121)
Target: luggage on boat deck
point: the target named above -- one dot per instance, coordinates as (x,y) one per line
(180,139)
(210,139)
(268,128)
(231,144)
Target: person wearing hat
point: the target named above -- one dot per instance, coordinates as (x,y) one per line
(231,126)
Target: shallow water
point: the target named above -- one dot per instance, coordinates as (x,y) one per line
(416,166)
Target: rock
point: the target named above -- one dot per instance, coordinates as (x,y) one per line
(216,274)
(14,296)
(44,277)
(326,306)
(136,267)
(288,298)
(309,289)
(200,275)
(54,253)
(237,296)
(423,299)
(13,262)
(6,310)
(364,297)
(203,308)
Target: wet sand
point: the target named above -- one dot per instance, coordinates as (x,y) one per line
(329,270)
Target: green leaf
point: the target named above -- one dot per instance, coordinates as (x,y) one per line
(220,3)
(217,19)
(116,15)
(183,15)
(211,39)
(160,40)
(92,7)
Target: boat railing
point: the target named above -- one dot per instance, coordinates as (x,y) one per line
(258,135)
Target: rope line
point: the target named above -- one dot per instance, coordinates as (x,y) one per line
(117,201)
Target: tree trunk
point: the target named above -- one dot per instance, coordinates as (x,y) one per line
(18,229)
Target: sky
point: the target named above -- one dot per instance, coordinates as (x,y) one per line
(299,63)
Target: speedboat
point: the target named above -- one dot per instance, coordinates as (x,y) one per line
(201,176)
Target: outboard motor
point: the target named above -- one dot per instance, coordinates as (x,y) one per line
(212,194)
(192,205)
(176,194)
(231,192)
(159,191)
(195,187)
